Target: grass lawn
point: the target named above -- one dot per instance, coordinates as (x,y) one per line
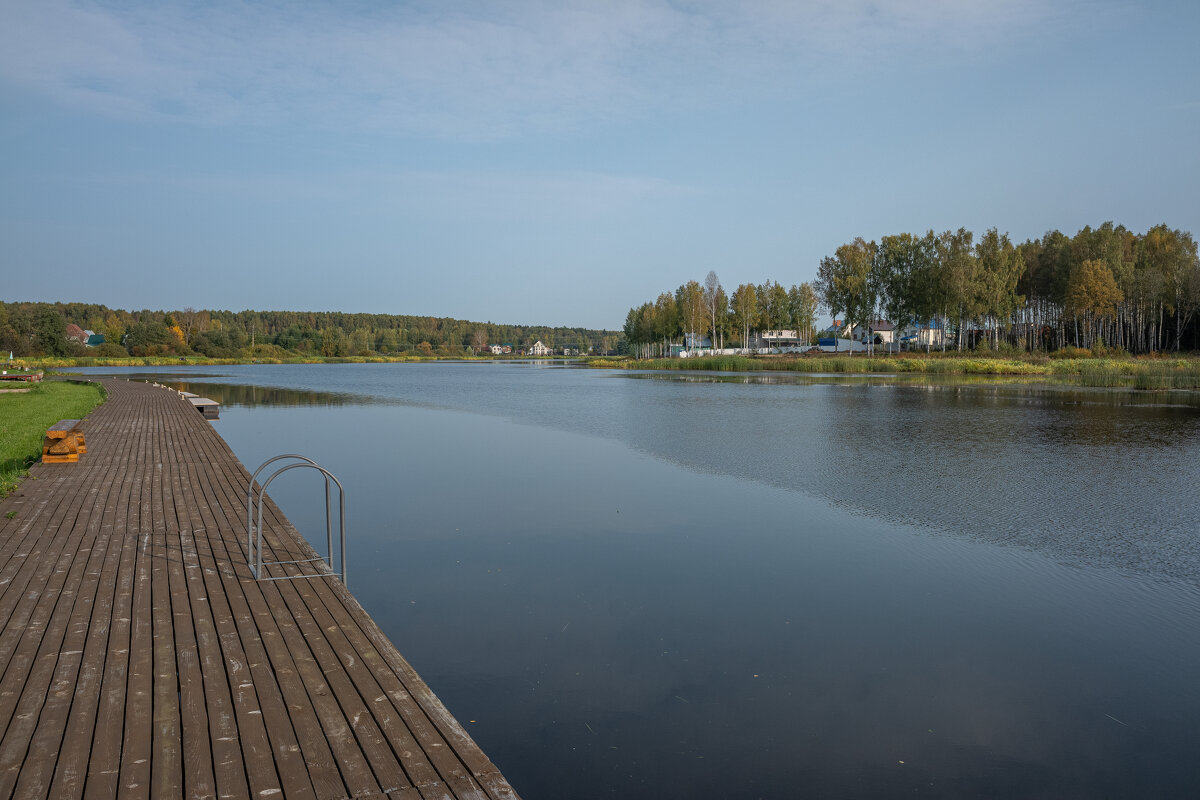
(24,418)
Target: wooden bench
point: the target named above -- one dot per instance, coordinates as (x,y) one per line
(64,442)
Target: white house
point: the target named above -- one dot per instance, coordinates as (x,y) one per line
(881,330)
(782,338)
(539,349)
(933,334)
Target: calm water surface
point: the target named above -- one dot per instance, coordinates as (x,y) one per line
(676,586)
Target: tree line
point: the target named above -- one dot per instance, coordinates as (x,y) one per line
(40,329)
(1105,287)
(694,311)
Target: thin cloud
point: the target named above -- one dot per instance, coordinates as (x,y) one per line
(446,194)
(476,70)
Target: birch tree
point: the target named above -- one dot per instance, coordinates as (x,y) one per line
(745,309)
(714,302)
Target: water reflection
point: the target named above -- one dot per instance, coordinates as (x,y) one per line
(232,394)
(248,395)
(1040,468)
(1060,387)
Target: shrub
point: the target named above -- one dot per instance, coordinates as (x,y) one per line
(109,350)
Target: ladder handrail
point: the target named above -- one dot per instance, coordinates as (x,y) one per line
(254,554)
(250,493)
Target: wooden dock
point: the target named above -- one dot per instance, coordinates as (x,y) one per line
(209,408)
(140,659)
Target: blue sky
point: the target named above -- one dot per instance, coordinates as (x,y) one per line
(558,162)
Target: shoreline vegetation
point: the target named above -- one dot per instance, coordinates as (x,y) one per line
(25,417)
(1080,367)
(1073,365)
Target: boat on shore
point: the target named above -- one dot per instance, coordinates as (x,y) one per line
(7,375)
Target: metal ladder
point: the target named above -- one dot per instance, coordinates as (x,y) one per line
(254,526)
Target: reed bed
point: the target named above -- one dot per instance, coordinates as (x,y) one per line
(1082,368)
(1137,373)
(1153,374)
(835,364)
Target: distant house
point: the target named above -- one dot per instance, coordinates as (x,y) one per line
(882,331)
(500,349)
(76,334)
(931,334)
(539,349)
(94,339)
(693,341)
(836,330)
(785,338)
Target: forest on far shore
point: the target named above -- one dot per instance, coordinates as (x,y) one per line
(1104,289)
(52,329)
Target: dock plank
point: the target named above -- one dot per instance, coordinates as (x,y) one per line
(72,764)
(140,658)
(134,777)
(210,733)
(76,677)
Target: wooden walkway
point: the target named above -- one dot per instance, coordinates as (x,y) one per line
(139,658)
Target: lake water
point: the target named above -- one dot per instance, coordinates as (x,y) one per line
(675,586)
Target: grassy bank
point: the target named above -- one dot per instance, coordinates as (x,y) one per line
(1138,373)
(25,416)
